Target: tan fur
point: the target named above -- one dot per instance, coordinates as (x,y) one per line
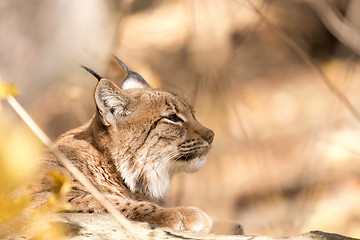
(130,149)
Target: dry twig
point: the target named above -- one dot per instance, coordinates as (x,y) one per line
(341,29)
(310,62)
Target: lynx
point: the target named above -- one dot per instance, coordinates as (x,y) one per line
(137,140)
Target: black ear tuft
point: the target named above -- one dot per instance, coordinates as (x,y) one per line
(98,77)
(123,65)
(132,79)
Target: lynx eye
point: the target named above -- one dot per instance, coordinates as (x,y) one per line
(174,118)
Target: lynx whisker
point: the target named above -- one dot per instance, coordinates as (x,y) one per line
(167,158)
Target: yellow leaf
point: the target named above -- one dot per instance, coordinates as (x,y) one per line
(62,184)
(56,201)
(48,230)
(19,154)
(7,89)
(10,208)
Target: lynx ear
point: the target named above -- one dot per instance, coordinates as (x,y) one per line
(132,79)
(111,102)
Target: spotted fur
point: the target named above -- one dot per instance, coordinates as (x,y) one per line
(137,139)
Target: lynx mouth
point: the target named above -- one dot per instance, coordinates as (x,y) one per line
(193,149)
(191,164)
(187,157)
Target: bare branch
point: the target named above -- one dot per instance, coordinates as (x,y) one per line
(337,24)
(310,62)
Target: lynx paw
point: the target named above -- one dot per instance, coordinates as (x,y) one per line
(194,219)
(183,218)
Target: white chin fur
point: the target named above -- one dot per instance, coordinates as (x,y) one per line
(189,166)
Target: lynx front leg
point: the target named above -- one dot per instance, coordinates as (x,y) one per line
(182,218)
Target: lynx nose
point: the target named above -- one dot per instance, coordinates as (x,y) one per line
(209,136)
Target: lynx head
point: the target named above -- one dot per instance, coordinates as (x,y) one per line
(148,134)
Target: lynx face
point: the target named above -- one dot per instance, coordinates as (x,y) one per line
(173,137)
(150,134)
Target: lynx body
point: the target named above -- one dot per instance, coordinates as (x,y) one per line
(138,138)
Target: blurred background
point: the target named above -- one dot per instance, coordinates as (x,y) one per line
(286,154)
